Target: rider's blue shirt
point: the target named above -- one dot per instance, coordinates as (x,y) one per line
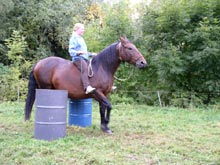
(76,44)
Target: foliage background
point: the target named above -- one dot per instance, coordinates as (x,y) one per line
(179,39)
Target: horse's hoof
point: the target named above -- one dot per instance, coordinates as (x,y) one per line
(109,132)
(106,129)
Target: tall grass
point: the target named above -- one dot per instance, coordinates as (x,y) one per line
(142,135)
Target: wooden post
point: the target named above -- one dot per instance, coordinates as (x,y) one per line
(158,95)
(18,93)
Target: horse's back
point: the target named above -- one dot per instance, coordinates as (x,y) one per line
(59,73)
(51,68)
(52,61)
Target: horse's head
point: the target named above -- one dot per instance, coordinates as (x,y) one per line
(129,53)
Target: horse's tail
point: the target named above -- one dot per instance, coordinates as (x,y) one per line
(32,85)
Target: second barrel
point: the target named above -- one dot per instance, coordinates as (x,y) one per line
(80,112)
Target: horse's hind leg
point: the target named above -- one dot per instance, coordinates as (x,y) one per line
(45,84)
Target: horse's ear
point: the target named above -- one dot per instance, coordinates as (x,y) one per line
(123,38)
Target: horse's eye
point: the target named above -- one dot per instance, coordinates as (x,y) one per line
(129,48)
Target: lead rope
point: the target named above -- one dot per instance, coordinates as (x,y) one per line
(125,79)
(90,70)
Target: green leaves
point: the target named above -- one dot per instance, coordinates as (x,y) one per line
(184,39)
(179,39)
(16,45)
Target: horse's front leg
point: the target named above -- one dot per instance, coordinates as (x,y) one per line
(105,117)
(108,111)
(105,108)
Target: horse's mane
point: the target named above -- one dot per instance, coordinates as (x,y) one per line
(108,58)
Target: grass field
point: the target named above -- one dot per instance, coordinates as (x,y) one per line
(142,135)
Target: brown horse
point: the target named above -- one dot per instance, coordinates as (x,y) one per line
(58,73)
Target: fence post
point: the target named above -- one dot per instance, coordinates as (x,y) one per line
(158,95)
(18,93)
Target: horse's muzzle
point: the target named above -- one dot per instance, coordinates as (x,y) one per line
(141,64)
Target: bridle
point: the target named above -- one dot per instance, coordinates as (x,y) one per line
(127,59)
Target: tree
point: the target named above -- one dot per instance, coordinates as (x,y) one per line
(12,82)
(182,38)
(41,27)
(46,25)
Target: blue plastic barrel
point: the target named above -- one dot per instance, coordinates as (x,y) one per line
(80,112)
(50,114)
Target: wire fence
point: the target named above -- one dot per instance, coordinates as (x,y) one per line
(172,98)
(149,97)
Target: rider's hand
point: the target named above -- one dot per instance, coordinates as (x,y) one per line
(81,52)
(94,54)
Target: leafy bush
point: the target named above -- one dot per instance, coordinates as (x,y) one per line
(13,85)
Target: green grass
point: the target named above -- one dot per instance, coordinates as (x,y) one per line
(142,135)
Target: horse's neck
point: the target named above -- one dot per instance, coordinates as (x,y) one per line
(111,67)
(109,59)
(116,62)
(115,67)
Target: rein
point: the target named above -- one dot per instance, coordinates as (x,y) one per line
(90,70)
